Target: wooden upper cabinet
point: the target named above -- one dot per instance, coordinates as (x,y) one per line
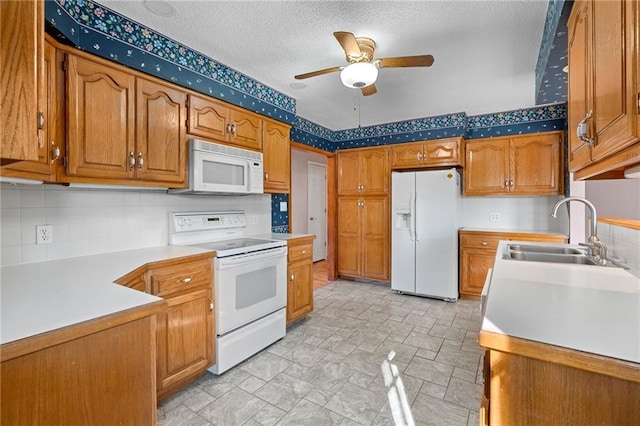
(277,157)
(486,167)
(101,114)
(161,139)
(52,151)
(21,82)
(604,89)
(579,53)
(519,165)
(219,121)
(363,171)
(536,164)
(435,153)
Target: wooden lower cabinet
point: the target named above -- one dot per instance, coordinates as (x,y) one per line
(89,374)
(185,333)
(363,237)
(529,383)
(478,251)
(300,278)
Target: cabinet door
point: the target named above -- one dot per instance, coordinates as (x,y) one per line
(406,156)
(208,119)
(614,66)
(374,171)
(100,111)
(487,167)
(277,158)
(161,140)
(21,85)
(375,238)
(185,338)
(349,237)
(348,173)
(535,164)
(52,132)
(441,153)
(579,87)
(474,265)
(299,290)
(246,129)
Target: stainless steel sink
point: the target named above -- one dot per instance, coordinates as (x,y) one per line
(577,259)
(553,254)
(545,249)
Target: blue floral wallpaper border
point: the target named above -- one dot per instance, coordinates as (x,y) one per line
(552,81)
(99,30)
(306,138)
(279,220)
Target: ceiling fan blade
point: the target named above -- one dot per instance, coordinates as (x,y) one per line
(406,61)
(369,90)
(348,42)
(316,73)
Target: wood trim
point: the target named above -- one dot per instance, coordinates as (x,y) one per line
(626,157)
(332,225)
(625,223)
(303,147)
(55,337)
(599,364)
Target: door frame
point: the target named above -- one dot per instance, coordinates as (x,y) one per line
(326,218)
(331,206)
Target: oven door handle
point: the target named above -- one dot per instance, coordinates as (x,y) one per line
(231,261)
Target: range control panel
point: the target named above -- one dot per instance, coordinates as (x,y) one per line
(208,221)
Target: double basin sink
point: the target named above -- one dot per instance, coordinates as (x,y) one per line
(553,254)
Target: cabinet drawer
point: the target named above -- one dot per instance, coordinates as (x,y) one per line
(300,252)
(177,278)
(489,242)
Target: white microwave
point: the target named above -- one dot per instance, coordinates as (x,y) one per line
(222,169)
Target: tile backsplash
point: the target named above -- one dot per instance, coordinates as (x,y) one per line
(90,221)
(623,245)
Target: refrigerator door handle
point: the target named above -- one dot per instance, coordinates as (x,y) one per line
(412,217)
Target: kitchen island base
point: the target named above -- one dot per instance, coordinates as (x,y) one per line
(531,383)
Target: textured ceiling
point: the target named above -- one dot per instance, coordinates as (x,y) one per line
(485,52)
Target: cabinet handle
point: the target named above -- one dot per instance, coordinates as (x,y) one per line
(184,280)
(304,252)
(55,152)
(506,183)
(582,130)
(233,129)
(484,243)
(266,176)
(140,160)
(419,156)
(210,304)
(132,160)
(292,277)
(511,183)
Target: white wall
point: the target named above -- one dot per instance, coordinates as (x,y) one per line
(89,221)
(615,198)
(516,214)
(299,213)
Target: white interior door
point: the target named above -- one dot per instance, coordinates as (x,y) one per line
(317,208)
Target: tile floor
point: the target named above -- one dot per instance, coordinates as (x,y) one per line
(327,369)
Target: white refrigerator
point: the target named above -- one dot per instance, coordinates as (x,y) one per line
(426,213)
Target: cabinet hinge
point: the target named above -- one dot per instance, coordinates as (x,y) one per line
(65,65)
(638,102)
(64,161)
(40,121)
(186,103)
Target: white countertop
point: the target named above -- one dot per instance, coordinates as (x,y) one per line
(588,308)
(44,296)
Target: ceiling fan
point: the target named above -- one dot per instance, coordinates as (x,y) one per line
(362,71)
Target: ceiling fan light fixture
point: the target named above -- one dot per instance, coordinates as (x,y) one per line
(359,75)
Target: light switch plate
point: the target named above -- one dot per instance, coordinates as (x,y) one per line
(283,206)
(494,217)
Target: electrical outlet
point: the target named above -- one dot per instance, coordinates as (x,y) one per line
(494,217)
(44,234)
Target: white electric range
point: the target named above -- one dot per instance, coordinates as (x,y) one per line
(250,284)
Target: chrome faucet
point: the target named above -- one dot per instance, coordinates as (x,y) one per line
(597,248)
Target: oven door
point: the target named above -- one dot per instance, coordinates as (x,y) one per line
(248,287)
